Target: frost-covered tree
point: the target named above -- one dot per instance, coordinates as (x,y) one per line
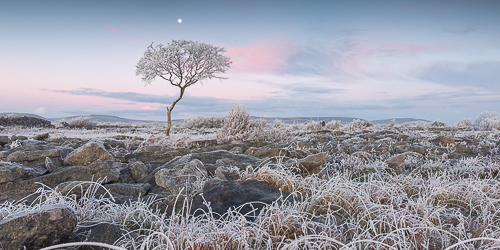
(182,63)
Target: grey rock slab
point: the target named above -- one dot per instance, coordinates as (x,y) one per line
(108,171)
(4,140)
(312,163)
(50,165)
(103,233)
(138,170)
(86,154)
(13,171)
(34,229)
(20,156)
(396,160)
(181,178)
(223,195)
(236,160)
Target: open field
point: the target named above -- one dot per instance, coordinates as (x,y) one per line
(416,185)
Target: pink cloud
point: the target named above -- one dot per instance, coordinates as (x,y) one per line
(267,57)
(114,30)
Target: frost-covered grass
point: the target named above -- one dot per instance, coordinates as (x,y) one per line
(352,203)
(442,209)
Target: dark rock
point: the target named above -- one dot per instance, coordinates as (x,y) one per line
(138,170)
(13,171)
(102,232)
(50,165)
(25,121)
(4,140)
(223,195)
(313,163)
(398,159)
(42,136)
(87,154)
(227,173)
(107,171)
(33,155)
(34,229)
(237,160)
(236,150)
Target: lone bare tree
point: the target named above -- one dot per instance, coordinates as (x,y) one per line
(182,63)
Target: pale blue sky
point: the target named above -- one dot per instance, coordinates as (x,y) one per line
(366,59)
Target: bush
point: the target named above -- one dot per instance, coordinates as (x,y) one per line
(438,123)
(77,122)
(235,125)
(464,123)
(487,121)
(358,124)
(197,122)
(333,125)
(238,127)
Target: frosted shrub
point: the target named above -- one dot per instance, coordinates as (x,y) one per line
(313,126)
(279,124)
(197,122)
(438,123)
(238,126)
(357,124)
(333,125)
(488,121)
(77,122)
(464,123)
(235,124)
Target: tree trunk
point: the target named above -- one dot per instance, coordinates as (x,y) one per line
(169,112)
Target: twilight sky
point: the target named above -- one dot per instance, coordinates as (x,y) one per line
(366,59)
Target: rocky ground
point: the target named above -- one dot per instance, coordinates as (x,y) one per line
(409,186)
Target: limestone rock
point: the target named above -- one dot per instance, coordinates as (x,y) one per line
(138,170)
(102,232)
(87,154)
(223,195)
(181,177)
(108,171)
(4,140)
(14,171)
(227,173)
(34,229)
(312,163)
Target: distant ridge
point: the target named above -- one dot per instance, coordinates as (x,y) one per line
(287,120)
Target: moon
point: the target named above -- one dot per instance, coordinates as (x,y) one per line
(179,20)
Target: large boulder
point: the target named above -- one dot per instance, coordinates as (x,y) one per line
(13,171)
(229,159)
(86,154)
(312,163)
(4,140)
(223,195)
(108,171)
(182,177)
(34,229)
(102,232)
(138,170)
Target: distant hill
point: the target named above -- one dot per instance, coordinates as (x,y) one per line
(291,120)
(398,120)
(287,120)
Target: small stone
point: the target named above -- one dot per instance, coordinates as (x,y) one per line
(41,137)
